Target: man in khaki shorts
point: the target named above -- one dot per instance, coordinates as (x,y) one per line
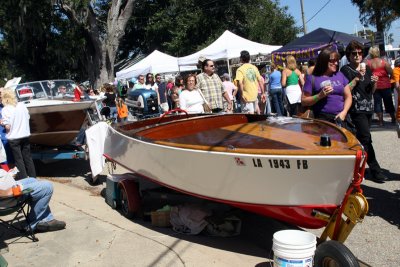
(249,79)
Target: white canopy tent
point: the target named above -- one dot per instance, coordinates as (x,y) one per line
(227,46)
(156,62)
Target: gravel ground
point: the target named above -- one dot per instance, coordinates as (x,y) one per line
(374,241)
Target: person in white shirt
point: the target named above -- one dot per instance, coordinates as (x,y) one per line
(190,98)
(16,122)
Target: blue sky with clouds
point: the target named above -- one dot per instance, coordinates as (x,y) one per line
(339,15)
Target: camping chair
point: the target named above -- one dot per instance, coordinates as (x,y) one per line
(16,204)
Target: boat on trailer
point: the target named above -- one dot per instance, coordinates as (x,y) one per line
(302,171)
(55,116)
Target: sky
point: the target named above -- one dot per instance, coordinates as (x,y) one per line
(339,15)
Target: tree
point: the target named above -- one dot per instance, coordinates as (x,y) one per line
(181,27)
(389,38)
(103,25)
(38,43)
(378,13)
(81,39)
(367,34)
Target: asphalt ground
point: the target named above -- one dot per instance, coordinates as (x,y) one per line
(98,235)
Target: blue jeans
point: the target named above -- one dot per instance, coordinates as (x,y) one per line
(386,96)
(114,113)
(41,195)
(277,103)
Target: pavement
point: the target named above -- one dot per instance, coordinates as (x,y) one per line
(97,235)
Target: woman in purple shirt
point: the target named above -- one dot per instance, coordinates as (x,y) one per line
(327,90)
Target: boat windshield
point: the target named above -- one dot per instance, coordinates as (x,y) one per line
(45,89)
(60,88)
(32,90)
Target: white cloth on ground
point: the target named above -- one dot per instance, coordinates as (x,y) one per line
(188,219)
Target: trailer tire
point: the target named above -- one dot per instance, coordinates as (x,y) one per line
(123,206)
(334,253)
(130,201)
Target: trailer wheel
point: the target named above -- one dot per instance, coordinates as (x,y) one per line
(334,254)
(124,204)
(130,199)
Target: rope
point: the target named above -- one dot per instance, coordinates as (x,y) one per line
(359,170)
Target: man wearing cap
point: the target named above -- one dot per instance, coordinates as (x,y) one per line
(211,86)
(249,79)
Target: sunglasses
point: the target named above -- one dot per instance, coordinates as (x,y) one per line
(356,53)
(211,66)
(333,60)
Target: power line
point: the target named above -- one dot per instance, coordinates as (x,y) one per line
(319,11)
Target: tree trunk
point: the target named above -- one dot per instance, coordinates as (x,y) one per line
(102,48)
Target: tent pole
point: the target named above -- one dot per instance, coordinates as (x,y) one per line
(229,68)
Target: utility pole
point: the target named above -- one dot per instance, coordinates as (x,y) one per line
(303,18)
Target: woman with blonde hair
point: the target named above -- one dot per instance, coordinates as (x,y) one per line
(15,119)
(292,80)
(382,69)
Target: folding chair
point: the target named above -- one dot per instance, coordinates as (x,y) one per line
(16,204)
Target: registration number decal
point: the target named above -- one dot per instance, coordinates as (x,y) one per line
(300,164)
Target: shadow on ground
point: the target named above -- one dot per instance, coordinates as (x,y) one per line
(383,203)
(63,168)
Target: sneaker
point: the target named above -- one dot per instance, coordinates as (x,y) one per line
(379,177)
(53,225)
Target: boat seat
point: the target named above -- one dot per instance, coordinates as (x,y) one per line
(18,205)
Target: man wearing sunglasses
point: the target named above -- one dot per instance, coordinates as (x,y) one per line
(140,83)
(212,88)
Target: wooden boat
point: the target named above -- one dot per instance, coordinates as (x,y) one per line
(276,167)
(55,118)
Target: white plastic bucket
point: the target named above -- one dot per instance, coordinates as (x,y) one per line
(294,248)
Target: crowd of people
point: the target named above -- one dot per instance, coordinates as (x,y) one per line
(350,96)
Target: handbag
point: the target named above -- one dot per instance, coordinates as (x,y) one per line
(305,112)
(206,106)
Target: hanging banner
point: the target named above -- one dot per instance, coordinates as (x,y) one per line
(301,55)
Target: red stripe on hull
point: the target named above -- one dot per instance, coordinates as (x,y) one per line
(297,215)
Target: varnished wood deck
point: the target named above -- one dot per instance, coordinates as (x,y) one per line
(251,134)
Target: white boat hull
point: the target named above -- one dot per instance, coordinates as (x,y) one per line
(233,177)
